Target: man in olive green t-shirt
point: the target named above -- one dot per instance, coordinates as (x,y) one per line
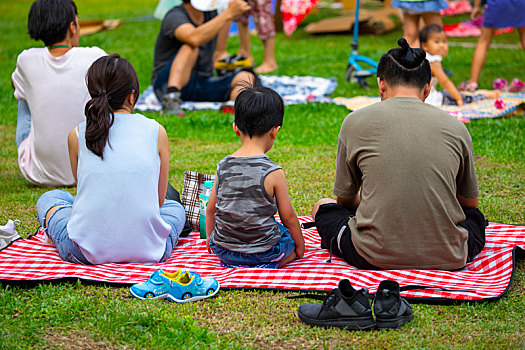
(405,179)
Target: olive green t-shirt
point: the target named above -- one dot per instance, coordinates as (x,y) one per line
(410,160)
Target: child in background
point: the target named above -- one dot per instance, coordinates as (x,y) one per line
(498,14)
(414,11)
(120,162)
(434,41)
(250,188)
(261,11)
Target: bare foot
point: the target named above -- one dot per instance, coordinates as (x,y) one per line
(266,67)
(493,94)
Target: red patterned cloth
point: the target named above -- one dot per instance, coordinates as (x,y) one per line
(487,277)
(294,11)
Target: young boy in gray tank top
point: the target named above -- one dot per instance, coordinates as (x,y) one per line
(250,188)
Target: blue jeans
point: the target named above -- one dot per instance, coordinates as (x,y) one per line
(283,249)
(171,212)
(23,122)
(198,88)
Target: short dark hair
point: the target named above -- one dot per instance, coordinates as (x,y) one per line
(110,80)
(48,20)
(405,66)
(430,29)
(258,110)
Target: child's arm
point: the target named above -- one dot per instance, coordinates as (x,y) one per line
(445,82)
(210,216)
(72,145)
(277,180)
(164,154)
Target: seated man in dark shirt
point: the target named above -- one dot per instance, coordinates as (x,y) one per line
(183,62)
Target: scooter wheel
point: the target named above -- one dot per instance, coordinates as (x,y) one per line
(351,73)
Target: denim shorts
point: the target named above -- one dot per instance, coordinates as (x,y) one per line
(171,212)
(283,249)
(198,88)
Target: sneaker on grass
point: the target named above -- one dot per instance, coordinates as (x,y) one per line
(171,104)
(157,286)
(344,308)
(190,286)
(8,232)
(390,309)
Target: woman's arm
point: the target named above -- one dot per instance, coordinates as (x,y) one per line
(445,82)
(72,145)
(164,154)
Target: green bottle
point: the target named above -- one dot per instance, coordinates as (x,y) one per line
(204,197)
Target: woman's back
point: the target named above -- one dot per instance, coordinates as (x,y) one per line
(116,212)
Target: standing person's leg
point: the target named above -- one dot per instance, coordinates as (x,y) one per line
(478,60)
(410,28)
(432,18)
(262,16)
(53,212)
(244,39)
(23,122)
(222,41)
(521,32)
(174,215)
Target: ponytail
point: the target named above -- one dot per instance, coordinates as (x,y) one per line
(405,66)
(110,80)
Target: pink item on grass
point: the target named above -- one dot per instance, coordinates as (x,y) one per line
(457,8)
(499,84)
(517,85)
(500,104)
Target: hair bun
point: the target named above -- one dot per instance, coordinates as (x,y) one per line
(409,57)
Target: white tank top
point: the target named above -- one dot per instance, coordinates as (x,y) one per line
(116,215)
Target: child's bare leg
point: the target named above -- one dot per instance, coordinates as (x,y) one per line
(244,40)
(222,41)
(410,29)
(432,18)
(288,259)
(480,53)
(269,64)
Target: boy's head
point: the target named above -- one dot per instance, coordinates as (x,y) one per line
(433,40)
(49,20)
(405,66)
(258,110)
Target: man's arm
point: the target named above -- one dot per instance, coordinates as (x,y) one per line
(467,202)
(197,36)
(350,202)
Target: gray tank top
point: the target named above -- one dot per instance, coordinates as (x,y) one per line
(244,220)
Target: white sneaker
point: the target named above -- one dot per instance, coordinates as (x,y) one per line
(8,232)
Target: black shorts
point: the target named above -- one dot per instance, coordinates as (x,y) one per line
(332,224)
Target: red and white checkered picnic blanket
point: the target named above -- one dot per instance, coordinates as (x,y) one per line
(488,277)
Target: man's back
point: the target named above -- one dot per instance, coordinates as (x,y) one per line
(56,93)
(413,160)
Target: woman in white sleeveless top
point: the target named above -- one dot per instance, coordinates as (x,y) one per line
(120,162)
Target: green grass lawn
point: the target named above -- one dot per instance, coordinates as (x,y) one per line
(80,315)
